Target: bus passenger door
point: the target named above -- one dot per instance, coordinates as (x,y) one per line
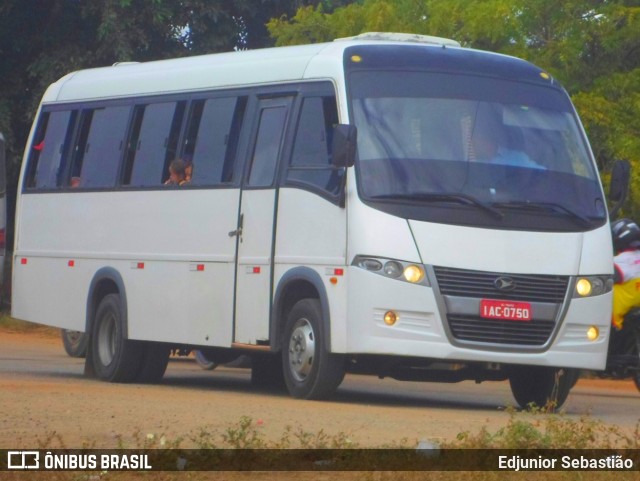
(258,206)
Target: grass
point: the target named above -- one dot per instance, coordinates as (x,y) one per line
(536,429)
(9,324)
(530,429)
(527,429)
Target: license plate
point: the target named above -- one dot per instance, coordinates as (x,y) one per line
(505,310)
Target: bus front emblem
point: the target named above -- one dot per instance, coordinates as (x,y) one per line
(504,284)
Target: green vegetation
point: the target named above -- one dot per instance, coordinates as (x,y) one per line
(535,429)
(532,429)
(8,323)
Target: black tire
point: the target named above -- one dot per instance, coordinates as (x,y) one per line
(310,370)
(635,372)
(154,361)
(75,343)
(542,387)
(633,324)
(115,359)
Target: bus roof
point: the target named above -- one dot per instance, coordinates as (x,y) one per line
(186,73)
(241,68)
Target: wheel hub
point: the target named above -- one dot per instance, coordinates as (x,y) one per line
(302,349)
(107,340)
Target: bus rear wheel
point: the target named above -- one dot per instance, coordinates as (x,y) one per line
(544,387)
(310,370)
(115,359)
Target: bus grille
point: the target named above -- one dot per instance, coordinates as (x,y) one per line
(477,284)
(491,331)
(482,285)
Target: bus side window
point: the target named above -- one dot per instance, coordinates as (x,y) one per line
(48,151)
(311,159)
(153,143)
(79,148)
(99,147)
(212,138)
(267,146)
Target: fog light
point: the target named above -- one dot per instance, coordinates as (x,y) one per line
(593,333)
(390,318)
(413,273)
(583,287)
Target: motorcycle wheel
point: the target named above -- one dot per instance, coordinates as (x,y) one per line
(634,322)
(635,374)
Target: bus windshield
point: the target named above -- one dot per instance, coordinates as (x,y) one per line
(511,148)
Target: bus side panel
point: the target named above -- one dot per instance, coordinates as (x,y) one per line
(171,247)
(47,290)
(311,231)
(180,302)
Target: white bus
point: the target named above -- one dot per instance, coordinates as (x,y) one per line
(401,207)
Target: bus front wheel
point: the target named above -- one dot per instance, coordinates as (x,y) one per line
(115,359)
(310,370)
(544,387)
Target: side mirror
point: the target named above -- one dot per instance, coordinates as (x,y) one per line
(343,145)
(619,186)
(620,175)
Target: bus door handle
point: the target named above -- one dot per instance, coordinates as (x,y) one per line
(238,231)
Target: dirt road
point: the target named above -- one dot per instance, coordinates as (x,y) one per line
(47,401)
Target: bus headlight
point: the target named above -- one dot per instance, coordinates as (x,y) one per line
(590,286)
(393,269)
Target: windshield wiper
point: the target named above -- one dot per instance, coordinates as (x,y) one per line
(548,206)
(445,197)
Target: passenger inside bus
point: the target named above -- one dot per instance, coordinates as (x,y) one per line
(177,173)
